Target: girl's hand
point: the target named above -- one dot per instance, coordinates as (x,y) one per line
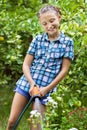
(32,90)
(43,91)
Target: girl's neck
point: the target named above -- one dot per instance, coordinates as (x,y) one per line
(53,37)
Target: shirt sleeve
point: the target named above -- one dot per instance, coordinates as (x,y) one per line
(32,47)
(69,51)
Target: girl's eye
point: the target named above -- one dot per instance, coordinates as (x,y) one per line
(44,24)
(51,21)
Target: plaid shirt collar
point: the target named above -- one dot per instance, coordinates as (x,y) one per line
(58,39)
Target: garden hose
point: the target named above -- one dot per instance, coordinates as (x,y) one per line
(35,95)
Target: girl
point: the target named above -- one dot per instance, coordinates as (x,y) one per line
(46,63)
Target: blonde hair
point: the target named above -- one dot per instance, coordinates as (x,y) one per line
(48,8)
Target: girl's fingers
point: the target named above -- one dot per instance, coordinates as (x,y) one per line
(30,91)
(33,90)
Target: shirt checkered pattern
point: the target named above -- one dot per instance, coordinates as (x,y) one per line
(48,57)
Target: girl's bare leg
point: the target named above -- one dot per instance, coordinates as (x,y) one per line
(18,104)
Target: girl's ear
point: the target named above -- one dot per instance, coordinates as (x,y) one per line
(59,17)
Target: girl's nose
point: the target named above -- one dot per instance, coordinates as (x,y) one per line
(49,26)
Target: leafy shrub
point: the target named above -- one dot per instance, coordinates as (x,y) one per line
(17,27)
(76,119)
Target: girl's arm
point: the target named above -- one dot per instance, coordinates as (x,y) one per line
(61,75)
(64,69)
(26,68)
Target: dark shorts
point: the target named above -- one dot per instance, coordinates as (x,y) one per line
(43,100)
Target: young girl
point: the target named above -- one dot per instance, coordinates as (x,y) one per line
(46,63)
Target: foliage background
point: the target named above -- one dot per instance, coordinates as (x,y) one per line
(18,26)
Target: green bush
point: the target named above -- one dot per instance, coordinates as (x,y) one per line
(17,27)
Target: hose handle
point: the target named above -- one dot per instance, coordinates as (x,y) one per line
(35,90)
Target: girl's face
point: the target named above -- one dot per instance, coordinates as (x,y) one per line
(50,23)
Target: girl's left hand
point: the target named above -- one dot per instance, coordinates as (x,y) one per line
(43,91)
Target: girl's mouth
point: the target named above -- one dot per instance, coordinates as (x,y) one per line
(51,29)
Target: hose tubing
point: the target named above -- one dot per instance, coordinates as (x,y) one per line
(22,113)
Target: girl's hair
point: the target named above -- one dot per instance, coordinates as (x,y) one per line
(48,8)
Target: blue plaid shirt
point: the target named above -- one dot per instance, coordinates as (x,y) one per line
(48,57)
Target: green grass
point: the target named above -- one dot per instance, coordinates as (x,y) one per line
(6,96)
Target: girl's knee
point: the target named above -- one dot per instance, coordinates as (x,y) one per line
(10,124)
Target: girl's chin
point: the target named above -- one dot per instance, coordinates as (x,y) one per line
(52,34)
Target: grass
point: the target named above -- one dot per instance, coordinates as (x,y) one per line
(6,96)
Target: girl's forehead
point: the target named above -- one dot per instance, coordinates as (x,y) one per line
(48,14)
(48,8)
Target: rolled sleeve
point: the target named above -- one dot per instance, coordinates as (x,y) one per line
(69,51)
(32,47)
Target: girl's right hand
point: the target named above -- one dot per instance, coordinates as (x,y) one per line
(30,90)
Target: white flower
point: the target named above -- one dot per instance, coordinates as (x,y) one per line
(73,129)
(35,117)
(49,98)
(55,104)
(52,101)
(34,113)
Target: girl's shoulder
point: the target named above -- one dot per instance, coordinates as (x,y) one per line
(39,36)
(66,37)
